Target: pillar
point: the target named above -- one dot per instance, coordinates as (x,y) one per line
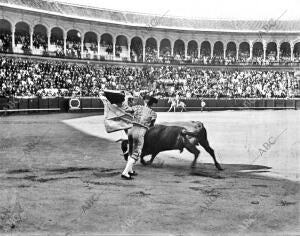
(278,51)
(251,49)
(292,50)
(98,46)
(81,49)
(144,51)
(185,50)
(224,52)
(237,51)
(199,50)
(172,48)
(265,50)
(114,48)
(212,50)
(31,38)
(13,39)
(65,43)
(129,50)
(48,39)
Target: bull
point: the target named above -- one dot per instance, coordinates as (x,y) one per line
(165,137)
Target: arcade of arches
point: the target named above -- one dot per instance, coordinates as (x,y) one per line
(23,37)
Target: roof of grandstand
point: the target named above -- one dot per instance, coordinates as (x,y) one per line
(154,21)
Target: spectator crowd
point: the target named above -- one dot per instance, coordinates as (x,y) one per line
(30,78)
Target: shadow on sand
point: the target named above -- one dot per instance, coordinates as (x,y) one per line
(205,170)
(209,170)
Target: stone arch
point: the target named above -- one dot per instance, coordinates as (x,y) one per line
(122,46)
(165,47)
(244,50)
(192,49)
(271,51)
(231,50)
(179,49)
(151,50)
(73,43)
(5,36)
(296,51)
(5,26)
(57,37)
(106,44)
(40,37)
(90,42)
(205,49)
(136,49)
(218,49)
(22,34)
(258,49)
(285,50)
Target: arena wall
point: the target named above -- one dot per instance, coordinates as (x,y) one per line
(88,104)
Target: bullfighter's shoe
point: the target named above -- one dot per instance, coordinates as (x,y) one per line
(126,177)
(133,173)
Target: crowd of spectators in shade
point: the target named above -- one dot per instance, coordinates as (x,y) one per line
(5,42)
(23,40)
(29,78)
(73,50)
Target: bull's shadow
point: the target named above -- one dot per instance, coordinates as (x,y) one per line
(208,169)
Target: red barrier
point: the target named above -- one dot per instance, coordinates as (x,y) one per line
(290,104)
(95,104)
(23,104)
(53,103)
(85,103)
(33,103)
(279,103)
(297,104)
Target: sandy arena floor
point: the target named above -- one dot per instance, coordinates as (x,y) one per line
(60,173)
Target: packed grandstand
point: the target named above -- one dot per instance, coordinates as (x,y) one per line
(53,78)
(167,65)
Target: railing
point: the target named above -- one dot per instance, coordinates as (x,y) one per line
(85,104)
(109,60)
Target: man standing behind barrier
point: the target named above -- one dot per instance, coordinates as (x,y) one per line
(144,118)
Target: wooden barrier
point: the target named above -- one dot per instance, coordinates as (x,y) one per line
(95,104)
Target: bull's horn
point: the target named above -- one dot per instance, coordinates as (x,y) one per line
(120,140)
(124,153)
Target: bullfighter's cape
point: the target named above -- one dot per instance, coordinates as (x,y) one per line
(115,118)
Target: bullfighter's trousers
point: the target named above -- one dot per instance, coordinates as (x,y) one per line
(136,135)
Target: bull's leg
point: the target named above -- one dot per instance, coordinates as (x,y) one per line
(143,162)
(150,161)
(211,151)
(192,148)
(152,158)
